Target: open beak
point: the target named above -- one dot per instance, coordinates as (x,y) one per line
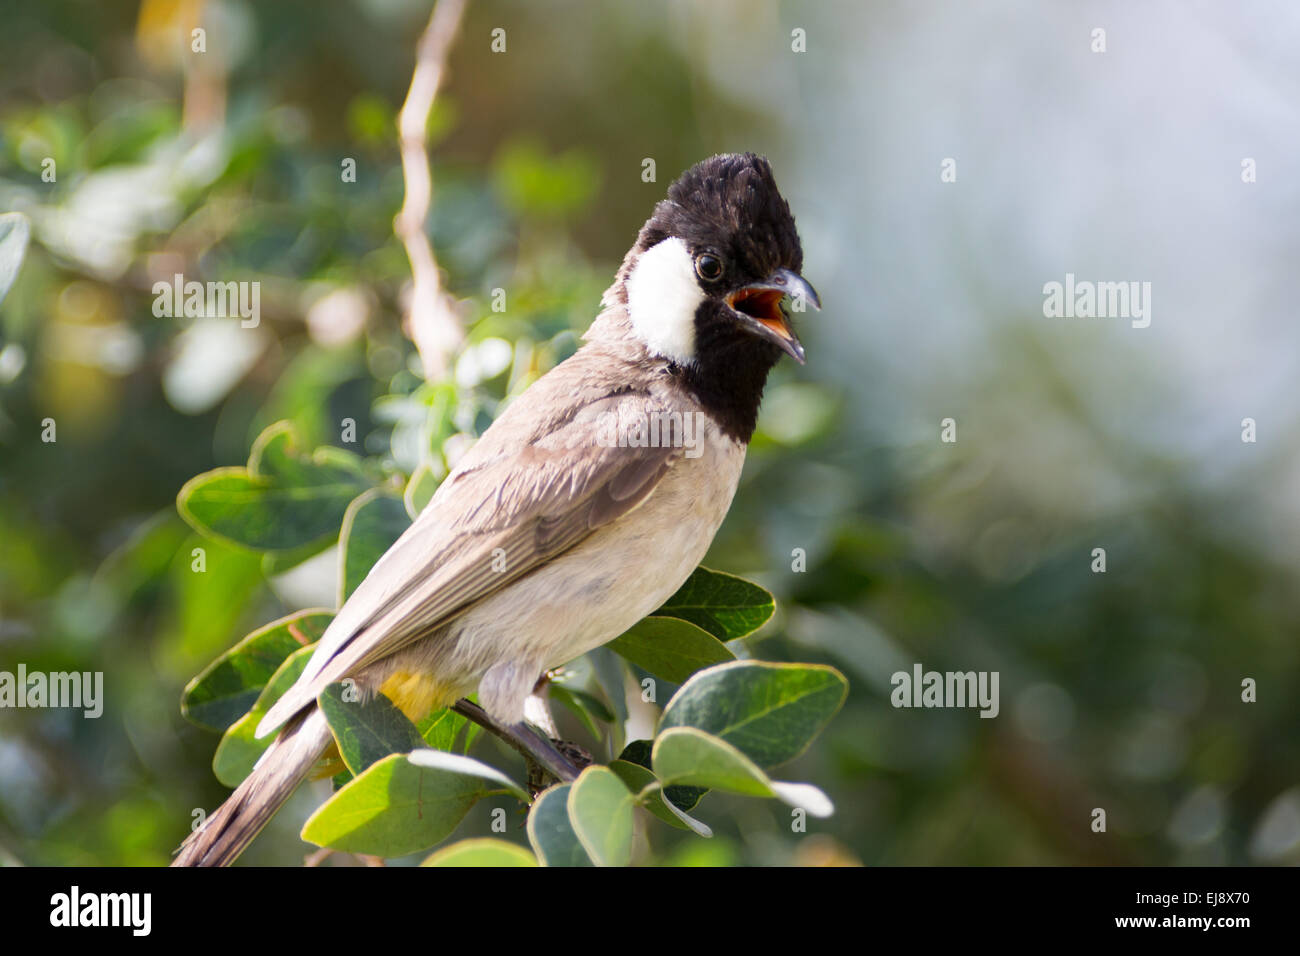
(758,308)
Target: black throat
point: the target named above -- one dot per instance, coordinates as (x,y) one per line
(728,374)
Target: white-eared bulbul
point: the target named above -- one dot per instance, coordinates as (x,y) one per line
(582,509)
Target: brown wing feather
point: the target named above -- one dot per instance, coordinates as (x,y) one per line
(471,574)
(531,488)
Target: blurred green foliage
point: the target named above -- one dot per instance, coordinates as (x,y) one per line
(1120,690)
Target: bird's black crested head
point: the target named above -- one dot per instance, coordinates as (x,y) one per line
(730,204)
(704,284)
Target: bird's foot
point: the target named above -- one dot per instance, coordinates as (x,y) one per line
(579,756)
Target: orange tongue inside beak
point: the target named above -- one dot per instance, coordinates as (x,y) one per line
(765,306)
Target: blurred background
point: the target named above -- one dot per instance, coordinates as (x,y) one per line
(1120,690)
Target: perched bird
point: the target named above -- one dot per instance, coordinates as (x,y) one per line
(584,506)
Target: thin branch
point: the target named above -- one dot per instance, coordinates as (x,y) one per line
(432,322)
(524,739)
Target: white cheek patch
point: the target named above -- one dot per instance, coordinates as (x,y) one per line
(662,296)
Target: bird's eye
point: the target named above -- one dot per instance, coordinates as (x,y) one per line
(708,267)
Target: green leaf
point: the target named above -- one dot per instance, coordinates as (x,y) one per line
(634,776)
(278,562)
(770,712)
(484,851)
(441,728)
(684,755)
(683,798)
(588,707)
(366,730)
(650,795)
(442,761)
(277,453)
(550,832)
(804,796)
(726,606)
(14,233)
(600,812)
(670,648)
(374,520)
(686,820)
(231,684)
(211,604)
(240,747)
(612,674)
(395,807)
(283,500)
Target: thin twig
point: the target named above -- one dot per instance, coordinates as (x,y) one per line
(524,739)
(432,322)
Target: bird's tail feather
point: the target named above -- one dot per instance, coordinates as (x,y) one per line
(227,832)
